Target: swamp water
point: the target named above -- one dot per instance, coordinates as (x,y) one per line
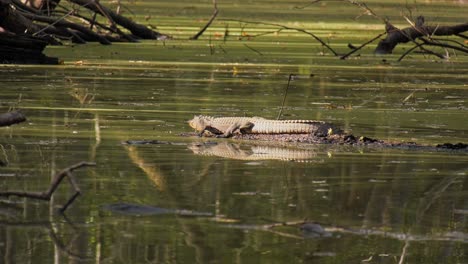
(187,200)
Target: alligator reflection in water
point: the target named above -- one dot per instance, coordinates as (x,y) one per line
(254,152)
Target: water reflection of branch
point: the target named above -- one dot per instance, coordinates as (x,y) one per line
(403,253)
(97,135)
(150,170)
(82,95)
(47,226)
(424,204)
(433,194)
(160,182)
(269,228)
(47,195)
(448,236)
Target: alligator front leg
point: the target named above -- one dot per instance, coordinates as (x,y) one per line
(244,128)
(231,129)
(210,129)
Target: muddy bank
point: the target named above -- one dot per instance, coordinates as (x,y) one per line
(343,139)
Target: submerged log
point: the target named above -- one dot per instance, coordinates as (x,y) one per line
(10,118)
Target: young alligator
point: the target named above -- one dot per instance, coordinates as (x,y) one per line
(227,126)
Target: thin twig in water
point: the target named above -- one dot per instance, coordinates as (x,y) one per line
(444,45)
(353,2)
(222,49)
(291,76)
(307,5)
(211,46)
(53,24)
(362,46)
(226,33)
(254,50)
(215,13)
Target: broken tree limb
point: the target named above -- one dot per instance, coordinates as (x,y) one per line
(91,35)
(462,48)
(360,47)
(215,13)
(67,172)
(423,50)
(136,29)
(10,118)
(419,30)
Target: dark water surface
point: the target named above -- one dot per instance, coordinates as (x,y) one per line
(188,200)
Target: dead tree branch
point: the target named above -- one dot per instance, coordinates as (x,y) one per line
(66,24)
(288,28)
(67,172)
(136,29)
(362,46)
(215,13)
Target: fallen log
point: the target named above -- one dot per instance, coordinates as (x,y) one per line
(10,118)
(396,36)
(23,49)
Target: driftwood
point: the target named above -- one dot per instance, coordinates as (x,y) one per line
(10,118)
(67,172)
(419,31)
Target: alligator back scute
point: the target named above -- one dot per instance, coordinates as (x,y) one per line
(290,127)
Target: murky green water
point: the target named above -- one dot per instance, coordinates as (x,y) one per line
(218,206)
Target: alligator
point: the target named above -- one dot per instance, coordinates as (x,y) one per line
(254,152)
(228,126)
(299,131)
